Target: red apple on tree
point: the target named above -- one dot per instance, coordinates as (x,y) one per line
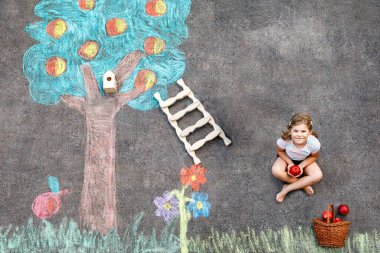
(295,171)
(343,209)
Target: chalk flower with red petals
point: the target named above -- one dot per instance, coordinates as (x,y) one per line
(194,176)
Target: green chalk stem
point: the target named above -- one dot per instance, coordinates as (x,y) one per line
(184,217)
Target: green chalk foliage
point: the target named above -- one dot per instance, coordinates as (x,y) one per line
(68,237)
(283,240)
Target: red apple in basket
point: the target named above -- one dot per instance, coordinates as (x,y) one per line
(343,209)
(324,215)
(337,220)
(295,171)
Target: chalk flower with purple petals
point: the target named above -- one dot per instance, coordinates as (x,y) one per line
(199,205)
(167,206)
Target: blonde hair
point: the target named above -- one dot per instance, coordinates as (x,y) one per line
(297,119)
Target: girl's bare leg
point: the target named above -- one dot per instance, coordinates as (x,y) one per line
(279,171)
(313,175)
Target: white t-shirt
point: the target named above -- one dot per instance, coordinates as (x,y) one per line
(298,154)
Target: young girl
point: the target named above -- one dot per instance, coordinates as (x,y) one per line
(297,146)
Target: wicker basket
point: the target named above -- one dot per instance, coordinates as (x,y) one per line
(331,234)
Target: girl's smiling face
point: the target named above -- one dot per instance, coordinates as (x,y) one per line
(299,134)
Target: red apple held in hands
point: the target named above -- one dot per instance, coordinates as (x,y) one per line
(343,209)
(337,220)
(295,171)
(324,215)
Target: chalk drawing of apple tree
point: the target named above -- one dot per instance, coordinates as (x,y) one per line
(79,40)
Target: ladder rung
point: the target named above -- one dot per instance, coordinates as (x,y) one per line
(209,137)
(168,102)
(200,123)
(182,113)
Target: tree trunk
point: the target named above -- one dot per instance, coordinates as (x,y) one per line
(98,203)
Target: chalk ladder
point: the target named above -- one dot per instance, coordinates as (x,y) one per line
(182,134)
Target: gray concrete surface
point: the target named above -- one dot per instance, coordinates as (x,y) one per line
(252,64)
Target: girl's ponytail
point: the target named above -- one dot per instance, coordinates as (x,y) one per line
(286,135)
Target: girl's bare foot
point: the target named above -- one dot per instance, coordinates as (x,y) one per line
(282,194)
(309,190)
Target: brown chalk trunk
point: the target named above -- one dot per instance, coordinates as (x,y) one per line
(98,203)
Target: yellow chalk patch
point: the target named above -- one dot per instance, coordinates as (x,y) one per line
(55,66)
(116,26)
(145,79)
(60,28)
(86,4)
(121,25)
(153,45)
(155,8)
(56,28)
(167,206)
(88,50)
(160,8)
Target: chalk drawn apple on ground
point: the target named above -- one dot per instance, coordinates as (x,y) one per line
(47,204)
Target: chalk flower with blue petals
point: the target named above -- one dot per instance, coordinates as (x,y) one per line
(199,205)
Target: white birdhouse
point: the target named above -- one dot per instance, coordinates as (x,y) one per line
(109,82)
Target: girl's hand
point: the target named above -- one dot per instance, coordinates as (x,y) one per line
(289,166)
(301,171)
(301,167)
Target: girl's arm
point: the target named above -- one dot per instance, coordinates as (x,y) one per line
(281,153)
(311,159)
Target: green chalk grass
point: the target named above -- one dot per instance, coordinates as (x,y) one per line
(283,240)
(68,237)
